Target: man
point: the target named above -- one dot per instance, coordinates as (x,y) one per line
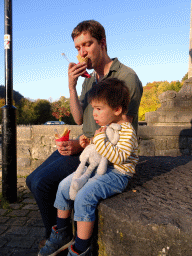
(90,41)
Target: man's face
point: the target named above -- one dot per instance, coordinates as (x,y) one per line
(88,46)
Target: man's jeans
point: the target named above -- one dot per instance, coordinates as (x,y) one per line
(43,183)
(98,187)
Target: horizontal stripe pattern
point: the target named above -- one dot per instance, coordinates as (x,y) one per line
(123,155)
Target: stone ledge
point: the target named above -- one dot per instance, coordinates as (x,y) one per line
(154,131)
(153,216)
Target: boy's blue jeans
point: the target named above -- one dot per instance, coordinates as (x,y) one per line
(98,187)
(43,183)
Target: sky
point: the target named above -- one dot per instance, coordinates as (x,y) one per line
(149,36)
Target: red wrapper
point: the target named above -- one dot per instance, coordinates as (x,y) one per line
(86,75)
(64,138)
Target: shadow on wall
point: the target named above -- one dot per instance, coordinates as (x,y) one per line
(185,141)
(152,167)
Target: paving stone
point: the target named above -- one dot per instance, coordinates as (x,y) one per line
(6,252)
(15,206)
(37,231)
(35,222)
(29,201)
(34,214)
(28,195)
(18,221)
(21,252)
(21,242)
(3,211)
(18,231)
(31,207)
(3,241)
(2,229)
(18,213)
(3,219)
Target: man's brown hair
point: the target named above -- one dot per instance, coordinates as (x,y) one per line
(95,29)
(113,92)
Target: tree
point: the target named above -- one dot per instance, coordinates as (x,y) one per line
(185,77)
(59,111)
(42,109)
(150,101)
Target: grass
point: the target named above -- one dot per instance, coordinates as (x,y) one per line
(4,204)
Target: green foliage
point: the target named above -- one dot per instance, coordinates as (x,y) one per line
(150,101)
(25,112)
(61,110)
(4,204)
(185,77)
(42,109)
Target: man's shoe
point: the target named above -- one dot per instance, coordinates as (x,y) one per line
(73,253)
(58,241)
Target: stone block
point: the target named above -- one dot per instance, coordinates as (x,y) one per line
(21,243)
(23,150)
(23,162)
(146,148)
(37,139)
(172,142)
(168,152)
(185,151)
(183,142)
(24,133)
(41,152)
(35,163)
(47,140)
(160,143)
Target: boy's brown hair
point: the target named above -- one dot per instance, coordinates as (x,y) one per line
(95,29)
(113,92)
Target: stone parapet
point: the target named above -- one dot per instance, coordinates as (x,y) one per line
(165,140)
(35,143)
(153,216)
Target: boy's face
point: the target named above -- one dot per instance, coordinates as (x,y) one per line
(103,114)
(88,46)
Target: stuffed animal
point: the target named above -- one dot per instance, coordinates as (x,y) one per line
(90,155)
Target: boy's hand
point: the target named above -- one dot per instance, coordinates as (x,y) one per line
(102,129)
(84,141)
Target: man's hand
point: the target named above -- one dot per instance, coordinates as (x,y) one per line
(74,71)
(68,148)
(84,141)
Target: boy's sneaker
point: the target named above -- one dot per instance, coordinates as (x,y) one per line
(58,241)
(42,243)
(73,253)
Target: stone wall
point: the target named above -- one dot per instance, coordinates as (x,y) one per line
(165,140)
(35,143)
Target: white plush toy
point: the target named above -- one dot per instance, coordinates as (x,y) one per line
(90,155)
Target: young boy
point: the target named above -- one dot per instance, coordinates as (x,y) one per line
(110,101)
